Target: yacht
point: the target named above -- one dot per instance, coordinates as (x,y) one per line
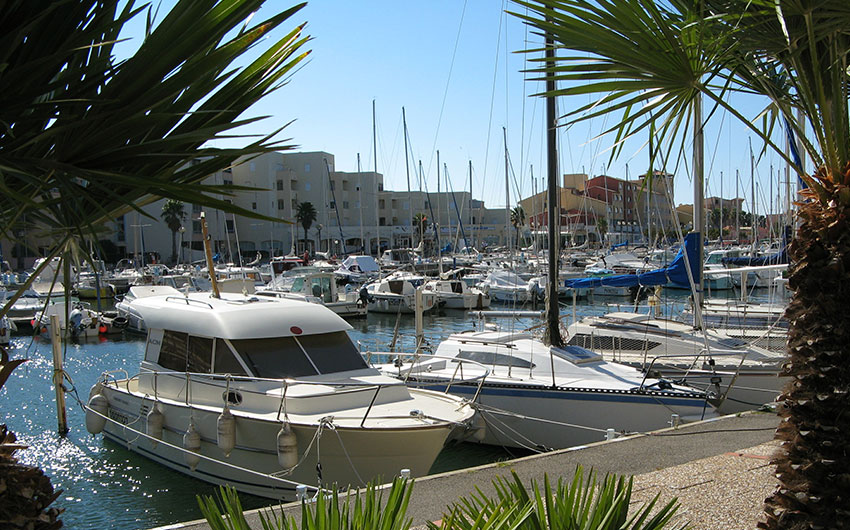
(126,307)
(455,294)
(539,397)
(82,321)
(506,287)
(396,293)
(265,395)
(312,285)
(26,308)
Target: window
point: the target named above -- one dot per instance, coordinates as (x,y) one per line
(382,221)
(494,359)
(229,225)
(306,186)
(280,185)
(275,358)
(405,205)
(279,166)
(333,205)
(381,204)
(357,204)
(306,168)
(253,205)
(196,227)
(227,182)
(332,352)
(196,208)
(281,204)
(253,167)
(380,187)
(345,205)
(180,353)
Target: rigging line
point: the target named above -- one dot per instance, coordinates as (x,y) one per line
(446,90)
(490,117)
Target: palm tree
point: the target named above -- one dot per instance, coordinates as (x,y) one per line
(648,63)
(517,220)
(173,215)
(602,228)
(89,138)
(305,215)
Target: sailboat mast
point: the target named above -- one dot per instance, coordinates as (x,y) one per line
(553,331)
(470,207)
(377,203)
(737,208)
(507,196)
(699,206)
(437,222)
(753,202)
(360,202)
(407,173)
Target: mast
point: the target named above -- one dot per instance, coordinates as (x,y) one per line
(360,201)
(448,209)
(407,173)
(699,206)
(721,209)
(470,206)
(507,197)
(208,254)
(737,209)
(437,224)
(553,331)
(753,201)
(377,203)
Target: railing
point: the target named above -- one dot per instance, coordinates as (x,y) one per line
(702,354)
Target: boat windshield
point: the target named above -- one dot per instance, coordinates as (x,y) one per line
(293,357)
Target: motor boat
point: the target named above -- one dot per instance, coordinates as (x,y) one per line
(506,287)
(126,307)
(540,397)
(82,321)
(455,294)
(309,284)
(396,293)
(25,309)
(264,395)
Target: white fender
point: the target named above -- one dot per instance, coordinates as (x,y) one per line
(226,431)
(192,442)
(479,428)
(154,422)
(95,422)
(287,447)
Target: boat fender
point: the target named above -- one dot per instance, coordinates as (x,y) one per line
(96,411)
(287,447)
(226,431)
(192,444)
(102,328)
(479,428)
(154,422)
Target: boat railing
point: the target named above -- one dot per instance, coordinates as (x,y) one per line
(693,372)
(285,384)
(186,300)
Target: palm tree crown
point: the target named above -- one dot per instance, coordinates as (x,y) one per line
(305,215)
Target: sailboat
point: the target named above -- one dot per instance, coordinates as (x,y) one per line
(538,394)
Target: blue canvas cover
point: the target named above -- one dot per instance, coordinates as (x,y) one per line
(777,258)
(676,272)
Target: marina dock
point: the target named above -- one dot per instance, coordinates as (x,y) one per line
(719,470)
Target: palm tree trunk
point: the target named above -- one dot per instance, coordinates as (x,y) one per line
(173,247)
(813,465)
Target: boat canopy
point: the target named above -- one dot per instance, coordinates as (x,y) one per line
(363,263)
(676,272)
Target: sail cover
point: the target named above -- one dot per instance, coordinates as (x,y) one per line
(676,272)
(777,258)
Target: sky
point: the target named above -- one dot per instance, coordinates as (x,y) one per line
(453,66)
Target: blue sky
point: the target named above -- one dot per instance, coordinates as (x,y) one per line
(452,65)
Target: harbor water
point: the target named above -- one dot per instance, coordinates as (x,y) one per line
(104,485)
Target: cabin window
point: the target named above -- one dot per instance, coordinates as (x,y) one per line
(275,358)
(199,355)
(494,359)
(225,361)
(181,353)
(332,352)
(396,286)
(457,287)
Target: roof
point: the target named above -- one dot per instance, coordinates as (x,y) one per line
(235,316)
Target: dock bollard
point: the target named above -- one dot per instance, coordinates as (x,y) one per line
(300,492)
(610,434)
(674,421)
(405,473)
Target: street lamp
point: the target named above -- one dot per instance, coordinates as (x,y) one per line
(319,228)
(182,231)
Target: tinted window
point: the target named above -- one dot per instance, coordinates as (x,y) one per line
(172,352)
(494,359)
(225,361)
(199,353)
(332,352)
(275,358)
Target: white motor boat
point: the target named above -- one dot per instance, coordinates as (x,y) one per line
(506,287)
(311,285)
(82,321)
(26,308)
(397,294)
(126,307)
(455,294)
(264,395)
(542,397)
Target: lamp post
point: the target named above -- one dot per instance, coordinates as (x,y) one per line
(182,231)
(319,229)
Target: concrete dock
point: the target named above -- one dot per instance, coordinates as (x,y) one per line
(718,469)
